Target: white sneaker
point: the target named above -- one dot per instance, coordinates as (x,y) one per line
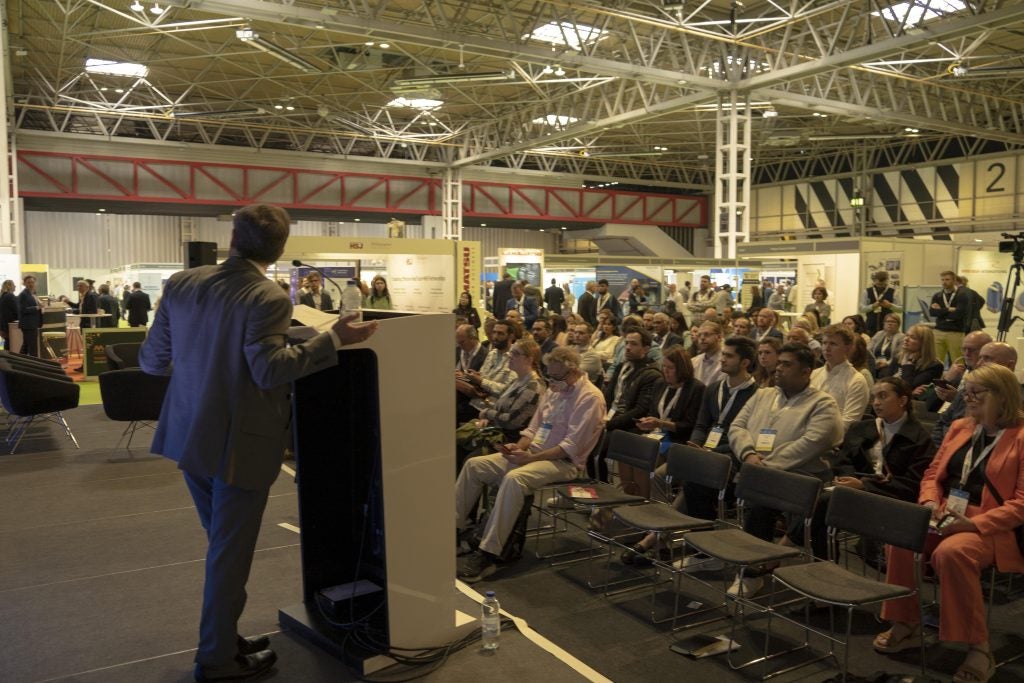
(751,586)
(560,503)
(699,563)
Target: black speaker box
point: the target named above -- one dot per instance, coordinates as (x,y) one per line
(200,254)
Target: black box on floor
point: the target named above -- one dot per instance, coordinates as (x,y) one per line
(351,602)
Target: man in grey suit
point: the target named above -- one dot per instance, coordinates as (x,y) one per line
(227,411)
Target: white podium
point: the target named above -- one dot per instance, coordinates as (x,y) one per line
(375,452)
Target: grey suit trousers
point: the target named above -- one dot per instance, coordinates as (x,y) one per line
(231,517)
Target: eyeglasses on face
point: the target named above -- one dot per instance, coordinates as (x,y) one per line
(974,394)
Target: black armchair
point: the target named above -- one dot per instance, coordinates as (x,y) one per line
(132,396)
(28,394)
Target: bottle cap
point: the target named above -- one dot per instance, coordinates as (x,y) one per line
(489,594)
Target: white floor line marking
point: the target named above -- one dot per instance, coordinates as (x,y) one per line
(539,640)
(289,527)
(287,469)
(134,661)
(130,571)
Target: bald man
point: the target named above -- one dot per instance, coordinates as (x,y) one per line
(999,353)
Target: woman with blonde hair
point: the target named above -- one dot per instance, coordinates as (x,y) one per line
(974,489)
(916,364)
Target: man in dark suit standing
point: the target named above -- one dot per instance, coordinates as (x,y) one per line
(109,305)
(586,306)
(88,303)
(30,316)
(606,299)
(502,293)
(554,297)
(226,414)
(316,297)
(138,306)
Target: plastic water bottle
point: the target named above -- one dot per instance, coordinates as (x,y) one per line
(352,299)
(490,620)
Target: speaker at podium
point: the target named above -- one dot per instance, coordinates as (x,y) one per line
(375,457)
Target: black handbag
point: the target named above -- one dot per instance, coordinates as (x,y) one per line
(1019,531)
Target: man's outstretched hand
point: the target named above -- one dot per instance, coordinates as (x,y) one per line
(351,332)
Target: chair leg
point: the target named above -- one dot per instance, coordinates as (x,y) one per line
(20,432)
(67,429)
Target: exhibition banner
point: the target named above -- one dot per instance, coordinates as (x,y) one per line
(522,264)
(619,277)
(421,283)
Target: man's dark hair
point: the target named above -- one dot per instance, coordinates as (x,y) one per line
(745,348)
(645,336)
(260,232)
(104,289)
(803,354)
(543,322)
(602,281)
(137,285)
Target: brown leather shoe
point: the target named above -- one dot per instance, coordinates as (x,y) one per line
(243,666)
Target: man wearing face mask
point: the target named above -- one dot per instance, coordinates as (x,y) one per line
(554,447)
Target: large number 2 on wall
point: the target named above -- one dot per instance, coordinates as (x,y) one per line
(1000,169)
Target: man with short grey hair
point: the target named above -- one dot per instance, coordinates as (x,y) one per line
(554,447)
(999,353)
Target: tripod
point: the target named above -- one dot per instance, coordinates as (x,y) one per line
(1006,316)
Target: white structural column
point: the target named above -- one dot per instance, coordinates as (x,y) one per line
(451,204)
(731,220)
(8,167)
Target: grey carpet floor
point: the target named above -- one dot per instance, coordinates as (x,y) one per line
(101,578)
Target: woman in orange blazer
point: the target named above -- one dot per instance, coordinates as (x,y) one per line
(990,438)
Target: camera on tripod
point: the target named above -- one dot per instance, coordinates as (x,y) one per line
(1013,244)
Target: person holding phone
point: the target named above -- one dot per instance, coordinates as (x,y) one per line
(975,488)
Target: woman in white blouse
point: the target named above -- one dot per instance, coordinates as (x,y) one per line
(607,338)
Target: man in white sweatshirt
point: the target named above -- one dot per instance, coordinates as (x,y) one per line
(838,378)
(791,426)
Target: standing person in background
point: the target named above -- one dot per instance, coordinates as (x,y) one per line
(878,301)
(975,302)
(109,305)
(379,297)
(554,297)
(316,297)
(568,300)
(587,305)
(502,293)
(819,307)
(465,309)
(8,311)
(138,306)
(226,415)
(30,316)
(949,309)
(88,303)
(125,295)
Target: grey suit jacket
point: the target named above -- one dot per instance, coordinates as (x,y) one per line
(227,409)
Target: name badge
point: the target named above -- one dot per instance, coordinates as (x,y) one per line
(657,435)
(714,438)
(876,309)
(766,441)
(957,501)
(542,434)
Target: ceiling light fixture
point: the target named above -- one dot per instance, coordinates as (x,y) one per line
(385,46)
(137,6)
(565,33)
(442,79)
(559,71)
(547,70)
(555,120)
(111,68)
(250,37)
(769,113)
(424,103)
(156,9)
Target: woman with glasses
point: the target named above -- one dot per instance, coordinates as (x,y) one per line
(510,412)
(916,363)
(975,488)
(887,342)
